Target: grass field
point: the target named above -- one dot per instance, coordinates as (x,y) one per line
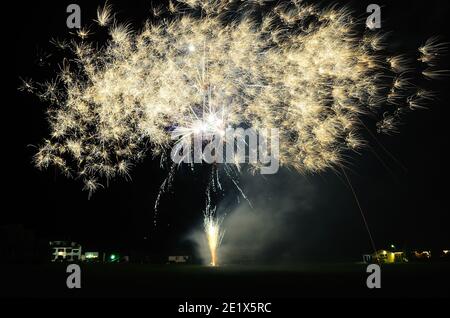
(303,280)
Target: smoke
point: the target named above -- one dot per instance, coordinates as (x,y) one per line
(275,230)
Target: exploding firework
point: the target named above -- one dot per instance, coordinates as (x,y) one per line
(200,66)
(214,233)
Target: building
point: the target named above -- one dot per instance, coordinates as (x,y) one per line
(421,255)
(178,259)
(385,257)
(91,257)
(63,251)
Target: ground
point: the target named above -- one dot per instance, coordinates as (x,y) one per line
(182,281)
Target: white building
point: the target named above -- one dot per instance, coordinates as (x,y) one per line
(63,251)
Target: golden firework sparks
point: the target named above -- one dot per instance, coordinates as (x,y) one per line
(214,233)
(311,73)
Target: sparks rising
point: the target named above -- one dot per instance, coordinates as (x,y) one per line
(214,233)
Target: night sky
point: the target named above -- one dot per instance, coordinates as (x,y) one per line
(404,200)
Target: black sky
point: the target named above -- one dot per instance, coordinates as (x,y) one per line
(404,204)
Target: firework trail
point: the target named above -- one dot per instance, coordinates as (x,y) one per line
(198,67)
(212,226)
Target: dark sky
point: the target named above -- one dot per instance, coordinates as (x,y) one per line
(405,204)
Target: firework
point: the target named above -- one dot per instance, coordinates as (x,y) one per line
(213,232)
(200,66)
(104,15)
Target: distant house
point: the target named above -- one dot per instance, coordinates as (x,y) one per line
(421,255)
(178,259)
(63,251)
(91,257)
(385,257)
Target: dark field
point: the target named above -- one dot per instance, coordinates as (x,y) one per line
(182,281)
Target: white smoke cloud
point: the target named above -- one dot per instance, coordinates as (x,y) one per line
(271,230)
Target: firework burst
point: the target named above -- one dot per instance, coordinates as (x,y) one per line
(200,66)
